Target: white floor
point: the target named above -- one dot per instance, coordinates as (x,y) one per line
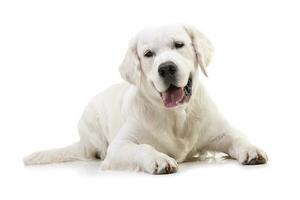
(206,179)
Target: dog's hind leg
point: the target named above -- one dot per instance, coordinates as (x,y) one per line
(92,145)
(76,151)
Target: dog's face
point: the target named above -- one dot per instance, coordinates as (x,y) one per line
(163,63)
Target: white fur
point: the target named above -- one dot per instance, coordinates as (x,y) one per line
(128,126)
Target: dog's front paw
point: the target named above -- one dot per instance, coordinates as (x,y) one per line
(251,155)
(162,164)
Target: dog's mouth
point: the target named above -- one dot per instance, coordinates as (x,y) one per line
(175,96)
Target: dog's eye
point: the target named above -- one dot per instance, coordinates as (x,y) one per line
(178,45)
(148,54)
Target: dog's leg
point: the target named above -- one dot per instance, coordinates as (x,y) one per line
(73,152)
(126,152)
(92,144)
(128,155)
(238,147)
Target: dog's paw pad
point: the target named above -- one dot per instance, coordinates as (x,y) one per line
(168,169)
(164,166)
(254,157)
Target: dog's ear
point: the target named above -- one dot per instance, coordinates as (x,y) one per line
(130,69)
(202,46)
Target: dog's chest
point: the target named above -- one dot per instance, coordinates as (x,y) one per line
(179,136)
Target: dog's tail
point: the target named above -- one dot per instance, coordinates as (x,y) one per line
(72,152)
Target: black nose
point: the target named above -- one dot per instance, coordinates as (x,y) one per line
(167,69)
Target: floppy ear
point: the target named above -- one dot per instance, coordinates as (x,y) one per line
(202,46)
(130,69)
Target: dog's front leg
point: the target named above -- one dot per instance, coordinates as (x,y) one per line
(125,152)
(238,147)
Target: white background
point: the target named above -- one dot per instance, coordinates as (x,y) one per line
(55,55)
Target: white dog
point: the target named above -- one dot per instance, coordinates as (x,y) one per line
(162,116)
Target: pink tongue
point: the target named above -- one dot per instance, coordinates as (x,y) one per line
(172,97)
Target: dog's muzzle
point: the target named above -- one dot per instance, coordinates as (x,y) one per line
(175,96)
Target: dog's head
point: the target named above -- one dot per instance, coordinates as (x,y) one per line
(163,63)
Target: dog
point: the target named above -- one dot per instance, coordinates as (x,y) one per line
(161,115)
